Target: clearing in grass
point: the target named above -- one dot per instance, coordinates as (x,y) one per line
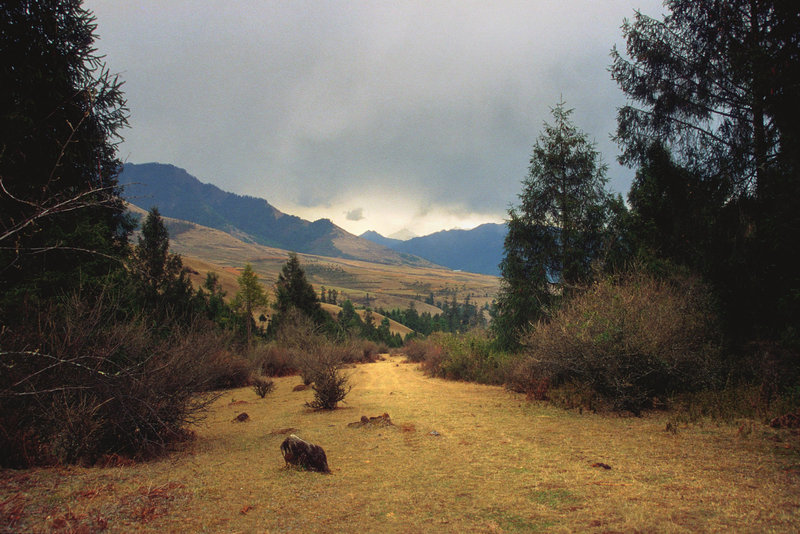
(458,457)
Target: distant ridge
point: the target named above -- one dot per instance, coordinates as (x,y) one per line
(479,250)
(375,237)
(180,195)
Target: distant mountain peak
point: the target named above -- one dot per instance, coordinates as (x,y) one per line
(179,195)
(403,235)
(479,250)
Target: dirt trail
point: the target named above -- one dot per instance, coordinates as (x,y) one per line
(495,463)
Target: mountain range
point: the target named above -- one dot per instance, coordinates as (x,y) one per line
(179,195)
(479,250)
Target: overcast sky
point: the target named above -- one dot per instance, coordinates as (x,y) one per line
(379,115)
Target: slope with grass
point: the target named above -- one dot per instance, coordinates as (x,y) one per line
(494,464)
(378,285)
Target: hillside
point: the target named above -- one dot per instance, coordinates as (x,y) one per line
(179,195)
(364,283)
(479,250)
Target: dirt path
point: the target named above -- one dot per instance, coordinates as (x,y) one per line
(461,458)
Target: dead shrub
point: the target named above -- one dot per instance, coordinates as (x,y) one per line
(631,338)
(226,370)
(298,333)
(330,385)
(369,352)
(274,360)
(80,382)
(416,350)
(262,386)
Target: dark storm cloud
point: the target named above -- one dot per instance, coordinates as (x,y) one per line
(415,107)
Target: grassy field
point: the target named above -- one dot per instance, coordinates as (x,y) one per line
(460,458)
(389,286)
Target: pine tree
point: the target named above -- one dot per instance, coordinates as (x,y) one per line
(556,232)
(62,222)
(713,85)
(293,290)
(159,277)
(705,80)
(251,297)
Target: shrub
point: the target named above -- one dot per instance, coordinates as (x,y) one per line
(330,385)
(417,350)
(262,386)
(79,382)
(369,351)
(469,356)
(226,370)
(274,360)
(631,338)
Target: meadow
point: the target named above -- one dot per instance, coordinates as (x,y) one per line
(459,457)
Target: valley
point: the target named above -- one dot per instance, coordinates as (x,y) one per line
(376,285)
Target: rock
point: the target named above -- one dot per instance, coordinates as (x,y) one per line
(304,454)
(601,464)
(300,387)
(789,420)
(380,420)
(241,418)
(434,433)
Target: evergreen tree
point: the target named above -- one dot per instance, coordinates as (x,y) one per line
(703,80)
(349,320)
(62,222)
(557,231)
(715,84)
(212,298)
(160,280)
(293,290)
(250,297)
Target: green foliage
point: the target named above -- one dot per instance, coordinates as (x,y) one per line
(330,385)
(62,222)
(251,297)
(710,83)
(558,230)
(703,78)
(471,356)
(159,280)
(630,338)
(455,317)
(293,291)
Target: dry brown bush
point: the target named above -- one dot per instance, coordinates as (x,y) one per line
(631,338)
(417,350)
(274,360)
(262,386)
(79,382)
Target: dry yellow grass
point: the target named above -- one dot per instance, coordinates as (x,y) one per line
(499,464)
(389,286)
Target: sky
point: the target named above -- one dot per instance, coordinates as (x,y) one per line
(379,115)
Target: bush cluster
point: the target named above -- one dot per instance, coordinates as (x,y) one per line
(79,382)
(633,339)
(470,356)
